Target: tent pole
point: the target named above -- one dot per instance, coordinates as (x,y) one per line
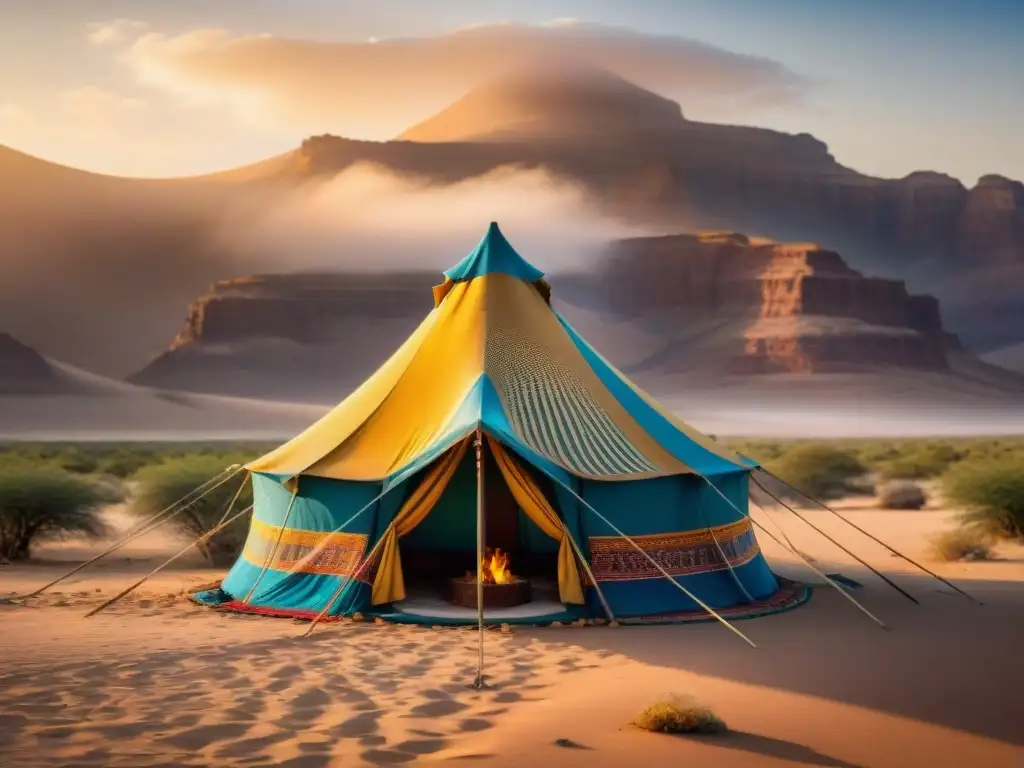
(167,562)
(873,538)
(481,535)
(277,544)
(879,574)
(807,562)
(657,565)
(149,524)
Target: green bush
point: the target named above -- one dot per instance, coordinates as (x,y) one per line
(820,471)
(679,714)
(161,485)
(991,493)
(922,462)
(875,453)
(39,501)
(125,465)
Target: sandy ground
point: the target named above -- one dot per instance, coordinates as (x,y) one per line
(155,681)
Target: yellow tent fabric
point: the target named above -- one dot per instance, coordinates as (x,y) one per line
(496,326)
(531,499)
(389,583)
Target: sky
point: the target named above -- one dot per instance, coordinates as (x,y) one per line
(178,87)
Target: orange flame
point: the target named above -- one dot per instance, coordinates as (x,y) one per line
(496,568)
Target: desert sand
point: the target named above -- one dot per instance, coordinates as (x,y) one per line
(156,681)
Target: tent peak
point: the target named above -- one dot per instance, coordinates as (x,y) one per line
(494,254)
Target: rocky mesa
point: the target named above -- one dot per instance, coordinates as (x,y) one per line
(793,308)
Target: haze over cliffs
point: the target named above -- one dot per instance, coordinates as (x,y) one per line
(98,270)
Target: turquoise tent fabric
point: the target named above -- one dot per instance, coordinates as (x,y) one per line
(494,254)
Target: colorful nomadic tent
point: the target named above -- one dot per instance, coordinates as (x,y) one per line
(588,480)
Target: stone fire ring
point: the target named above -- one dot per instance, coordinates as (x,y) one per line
(507,595)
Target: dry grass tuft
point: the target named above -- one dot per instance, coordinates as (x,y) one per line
(679,714)
(961,544)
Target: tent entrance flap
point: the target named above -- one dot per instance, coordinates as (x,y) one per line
(389,583)
(433,536)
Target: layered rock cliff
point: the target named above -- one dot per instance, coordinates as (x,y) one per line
(795,308)
(304,337)
(714,305)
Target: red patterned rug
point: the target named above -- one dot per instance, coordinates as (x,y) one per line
(790,595)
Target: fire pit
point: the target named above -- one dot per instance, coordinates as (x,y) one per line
(501,588)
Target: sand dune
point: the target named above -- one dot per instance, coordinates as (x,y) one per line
(97,408)
(155,681)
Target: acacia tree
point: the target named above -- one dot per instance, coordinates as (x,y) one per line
(39,501)
(160,485)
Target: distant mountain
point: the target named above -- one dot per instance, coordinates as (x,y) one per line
(125,256)
(43,399)
(532,105)
(1011,358)
(678,313)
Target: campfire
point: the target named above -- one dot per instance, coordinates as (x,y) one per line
(502,589)
(495,568)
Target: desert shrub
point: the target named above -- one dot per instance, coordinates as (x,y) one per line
(991,492)
(924,461)
(79,462)
(679,714)
(902,496)
(820,471)
(960,544)
(39,501)
(876,453)
(125,465)
(759,450)
(161,485)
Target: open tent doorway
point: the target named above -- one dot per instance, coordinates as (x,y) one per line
(439,555)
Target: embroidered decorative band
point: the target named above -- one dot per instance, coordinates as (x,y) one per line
(612,558)
(336,554)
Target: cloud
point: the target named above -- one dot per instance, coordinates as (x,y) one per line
(103,33)
(93,106)
(15,119)
(369,219)
(376,89)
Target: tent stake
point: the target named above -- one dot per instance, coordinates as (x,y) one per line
(481,534)
(167,562)
(807,562)
(879,574)
(149,524)
(873,538)
(657,565)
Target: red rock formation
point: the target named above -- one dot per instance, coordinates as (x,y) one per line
(803,310)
